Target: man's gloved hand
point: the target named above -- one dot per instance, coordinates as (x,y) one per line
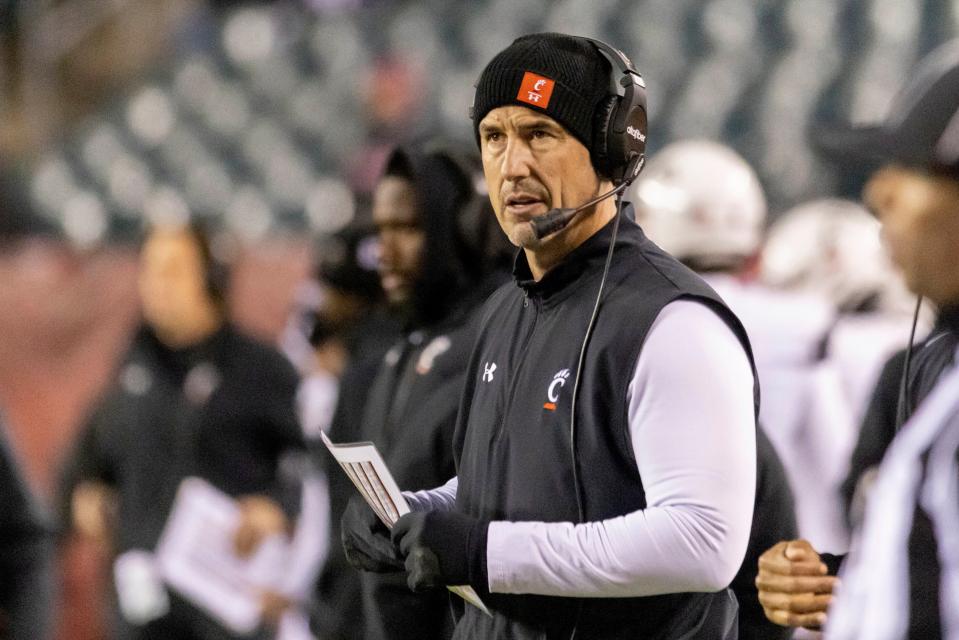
(442,548)
(366,540)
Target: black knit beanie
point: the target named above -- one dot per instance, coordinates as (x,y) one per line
(563,76)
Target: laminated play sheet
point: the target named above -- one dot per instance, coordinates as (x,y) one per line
(364,466)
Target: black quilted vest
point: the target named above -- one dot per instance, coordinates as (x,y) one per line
(512,446)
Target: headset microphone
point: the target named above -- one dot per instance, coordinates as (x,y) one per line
(556,219)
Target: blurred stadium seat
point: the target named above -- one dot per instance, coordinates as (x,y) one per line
(280,110)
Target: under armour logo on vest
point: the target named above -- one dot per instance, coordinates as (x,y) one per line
(488,370)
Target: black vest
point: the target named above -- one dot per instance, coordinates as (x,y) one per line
(512,446)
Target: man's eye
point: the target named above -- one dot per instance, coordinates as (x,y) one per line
(539,134)
(493,136)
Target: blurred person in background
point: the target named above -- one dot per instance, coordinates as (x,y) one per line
(439,253)
(26,555)
(348,263)
(347,321)
(831,248)
(899,581)
(192,397)
(702,203)
(342,320)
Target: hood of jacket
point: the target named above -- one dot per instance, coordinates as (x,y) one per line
(453,258)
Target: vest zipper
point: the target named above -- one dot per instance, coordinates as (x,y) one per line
(522,359)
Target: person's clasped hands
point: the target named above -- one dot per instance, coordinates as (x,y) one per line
(795,588)
(435,548)
(366,540)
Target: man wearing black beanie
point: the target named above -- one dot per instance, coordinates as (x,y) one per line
(605,444)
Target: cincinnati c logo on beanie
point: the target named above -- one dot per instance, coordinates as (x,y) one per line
(535,90)
(563,76)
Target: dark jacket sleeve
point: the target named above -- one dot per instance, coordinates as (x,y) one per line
(285,433)
(26,587)
(87,461)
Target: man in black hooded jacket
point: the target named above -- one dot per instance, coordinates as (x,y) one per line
(436,268)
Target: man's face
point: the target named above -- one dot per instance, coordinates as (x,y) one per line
(401,238)
(532,164)
(173,289)
(920,223)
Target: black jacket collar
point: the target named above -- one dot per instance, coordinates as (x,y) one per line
(949,319)
(587,257)
(178,362)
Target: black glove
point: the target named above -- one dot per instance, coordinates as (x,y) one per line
(442,548)
(366,540)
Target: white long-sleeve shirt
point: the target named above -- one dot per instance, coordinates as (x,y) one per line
(692,427)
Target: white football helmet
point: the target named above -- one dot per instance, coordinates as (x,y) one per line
(832,247)
(702,202)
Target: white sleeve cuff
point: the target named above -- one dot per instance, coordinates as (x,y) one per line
(439,499)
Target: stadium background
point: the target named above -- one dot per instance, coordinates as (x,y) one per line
(271,120)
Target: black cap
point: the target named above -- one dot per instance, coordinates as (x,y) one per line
(922,127)
(563,76)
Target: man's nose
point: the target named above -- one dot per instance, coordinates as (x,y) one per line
(517,159)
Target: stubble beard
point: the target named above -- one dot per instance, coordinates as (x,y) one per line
(523,236)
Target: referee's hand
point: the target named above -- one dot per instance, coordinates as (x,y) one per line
(795,589)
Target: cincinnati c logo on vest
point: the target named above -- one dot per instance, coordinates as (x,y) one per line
(552,391)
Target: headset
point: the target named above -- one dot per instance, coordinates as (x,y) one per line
(620,121)
(619,136)
(620,127)
(904,404)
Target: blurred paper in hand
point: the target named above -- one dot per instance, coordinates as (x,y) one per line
(195,556)
(364,466)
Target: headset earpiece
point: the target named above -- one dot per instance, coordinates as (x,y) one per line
(603,122)
(620,121)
